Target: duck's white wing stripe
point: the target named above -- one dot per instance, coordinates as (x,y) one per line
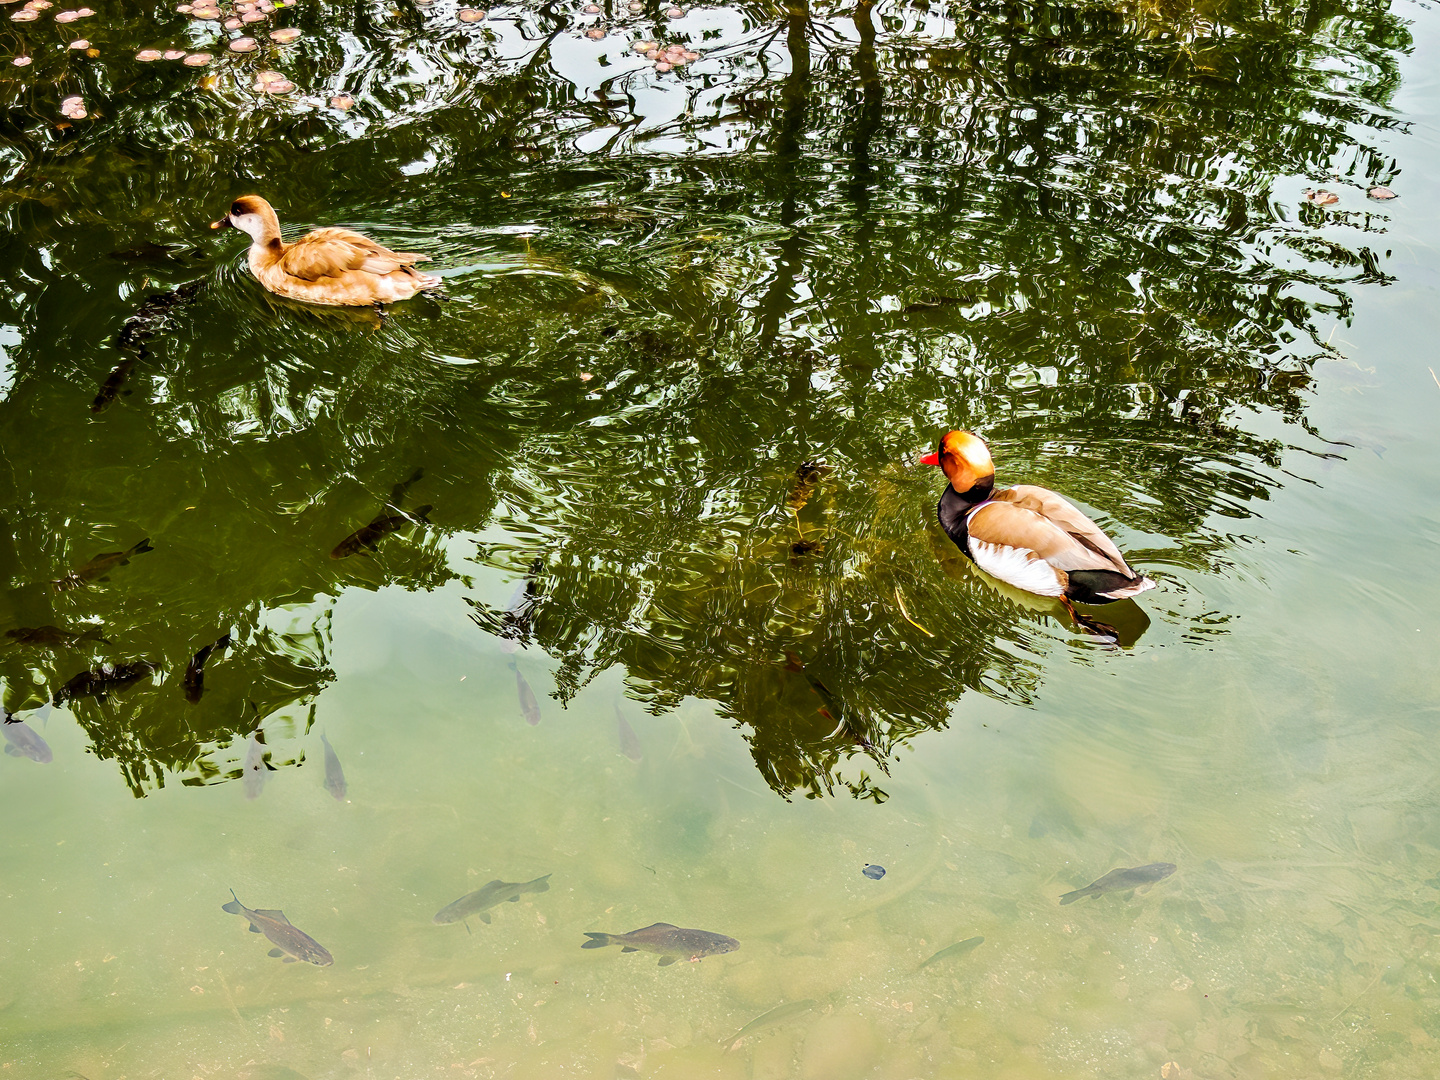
(1018,567)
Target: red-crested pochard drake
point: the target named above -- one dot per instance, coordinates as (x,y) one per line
(328,266)
(1028,536)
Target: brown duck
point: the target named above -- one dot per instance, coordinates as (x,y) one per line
(328,266)
(1029,536)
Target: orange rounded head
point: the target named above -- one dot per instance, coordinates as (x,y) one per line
(965,459)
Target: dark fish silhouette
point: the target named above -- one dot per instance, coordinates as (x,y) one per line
(528,705)
(52,637)
(254,771)
(103,681)
(368,538)
(100,565)
(671,942)
(334,775)
(773,1018)
(629,741)
(960,948)
(110,388)
(153,316)
(195,671)
(23,741)
(291,943)
(1121,879)
(496,892)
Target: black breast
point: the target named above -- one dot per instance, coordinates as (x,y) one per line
(953,508)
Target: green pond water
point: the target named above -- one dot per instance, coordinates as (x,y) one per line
(1080,229)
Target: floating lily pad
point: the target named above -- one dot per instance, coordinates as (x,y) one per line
(286,35)
(148,56)
(174,54)
(1382,193)
(343,102)
(253,17)
(642,46)
(233,24)
(79,44)
(24,16)
(675,13)
(470,14)
(596,34)
(243,44)
(22,61)
(39,5)
(199,59)
(264,77)
(280,86)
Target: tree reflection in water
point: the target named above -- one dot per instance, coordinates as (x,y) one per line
(840,232)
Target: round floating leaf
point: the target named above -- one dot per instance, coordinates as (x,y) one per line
(24,16)
(596,34)
(252,17)
(675,13)
(286,35)
(233,24)
(642,47)
(22,61)
(199,59)
(148,56)
(470,14)
(343,102)
(174,54)
(264,77)
(79,44)
(243,44)
(280,86)
(1382,193)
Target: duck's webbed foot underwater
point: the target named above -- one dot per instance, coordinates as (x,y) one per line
(1104,631)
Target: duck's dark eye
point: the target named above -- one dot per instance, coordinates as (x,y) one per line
(237,209)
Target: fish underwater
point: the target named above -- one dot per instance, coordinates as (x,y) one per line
(671,942)
(254,771)
(1123,878)
(518,620)
(529,707)
(53,637)
(496,892)
(629,741)
(334,775)
(21,740)
(110,388)
(773,1018)
(195,671)
(290,943)
(103,681)
(368,537)
(100,565)
(960,948)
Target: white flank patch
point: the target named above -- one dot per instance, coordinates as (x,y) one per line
(1016,566)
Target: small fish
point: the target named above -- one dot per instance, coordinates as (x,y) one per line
(766,1020)
(629,741)
(52,637)
(671,942)
(519,617)
(195,672)
(960,948)
(291,943)
(110,388)
(254,772)
(874,871)
(807,476)
(369,537)
(488,896)
(154,315)
(22,741)
(103,681)
(334,775)
(528,705)
(1121,879)
(100,565)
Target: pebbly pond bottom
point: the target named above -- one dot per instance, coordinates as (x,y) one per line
(660,611)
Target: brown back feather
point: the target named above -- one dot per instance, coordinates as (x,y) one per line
(1049,525)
